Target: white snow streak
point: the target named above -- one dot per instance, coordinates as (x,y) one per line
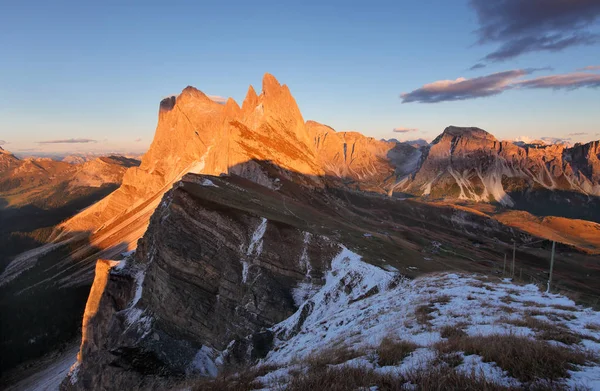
(208,182)
(256,241)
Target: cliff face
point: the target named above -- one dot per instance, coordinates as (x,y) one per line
(195,134)
(469,163)
(211,274)
(367,163)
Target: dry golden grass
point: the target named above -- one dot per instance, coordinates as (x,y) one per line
(548,331)
(331,356)
(352,378)
(442,299)
(423,314)
(452,360)
(523,358)
(508,309)
(452,332)
(531,304)
(392,351)
(593,326)
(564,307)
(579,233)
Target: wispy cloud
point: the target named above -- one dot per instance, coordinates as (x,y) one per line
(577,134)
(496,83)
(219,99)
(564,81)
(69,141)
(590,68)
(402,129)
(520,27)
(477,66)
(137,140)
(462,88)
(3,142)
(523,139)
(556,140)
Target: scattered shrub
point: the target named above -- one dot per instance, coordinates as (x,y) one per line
(452,332)
(423,314)
(392,351)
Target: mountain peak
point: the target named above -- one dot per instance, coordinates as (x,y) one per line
(469,132)
(5,152)
(231,106)
(194,93)
(270,84)
(251,99)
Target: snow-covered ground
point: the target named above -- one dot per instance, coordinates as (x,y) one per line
(361,304)
(50,377)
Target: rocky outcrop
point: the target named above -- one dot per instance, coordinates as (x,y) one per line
(212,273)
(367,163)
(195,134)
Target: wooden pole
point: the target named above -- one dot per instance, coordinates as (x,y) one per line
(551,266)
(512,272)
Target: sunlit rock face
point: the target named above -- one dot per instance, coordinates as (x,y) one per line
(471,164)
(196,134)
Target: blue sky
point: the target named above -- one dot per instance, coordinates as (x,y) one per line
(98,72)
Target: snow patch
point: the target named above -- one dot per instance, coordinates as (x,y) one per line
(204,362)
(304,261)
(490,371)
(208,182)
(244,271)
(360,304)
(197,167)
(256,241)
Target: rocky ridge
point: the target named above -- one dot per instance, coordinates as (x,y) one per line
(471,164)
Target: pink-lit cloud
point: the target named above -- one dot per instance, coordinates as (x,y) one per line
(590,68)
(69,141)
(564,81)
(496,83)
(219,99)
